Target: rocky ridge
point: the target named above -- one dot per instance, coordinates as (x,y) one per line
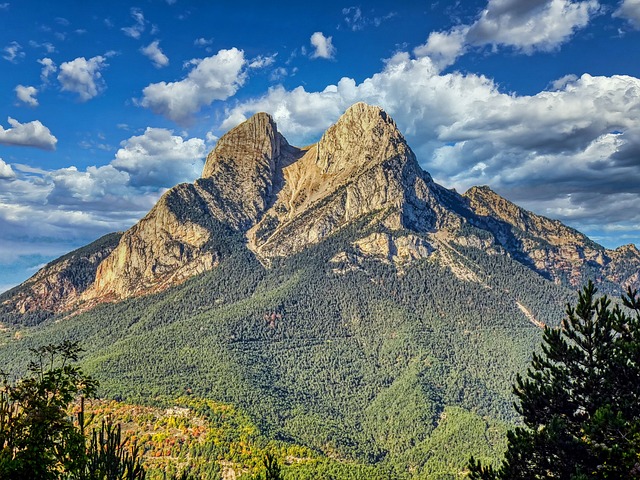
(550,247)
(283,198)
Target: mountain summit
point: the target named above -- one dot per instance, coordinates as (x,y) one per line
(281,199)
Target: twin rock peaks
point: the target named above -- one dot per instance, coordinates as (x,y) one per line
(283,198)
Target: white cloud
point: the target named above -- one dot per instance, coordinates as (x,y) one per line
(48,67)
(83,76)
(135,30)
(203,42)
(527,26)
(444,47)
(629,10)
(65,208)
(32,134)
(323,46)
(13,52)
(155,54)
(27,94)
(6,172)
(48,47)
(214,78)
(160,158)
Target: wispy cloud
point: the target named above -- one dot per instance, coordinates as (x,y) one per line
(48,67)
(13,52)
(356,20)
(630,11)
(135,30)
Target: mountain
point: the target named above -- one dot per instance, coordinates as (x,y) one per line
(335,293)
(283,199)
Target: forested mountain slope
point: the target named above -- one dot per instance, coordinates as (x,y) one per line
(336,293)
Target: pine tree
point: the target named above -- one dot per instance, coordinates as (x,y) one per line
(580,399)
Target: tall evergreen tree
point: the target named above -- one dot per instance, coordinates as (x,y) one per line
(580,399)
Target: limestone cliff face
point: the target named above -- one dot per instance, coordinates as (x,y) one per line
(361,165)
(561,252)
(161,250)
(243,170)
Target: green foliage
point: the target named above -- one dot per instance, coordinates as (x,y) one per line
(580,399)
(109,458)
(272,470)
(37,436)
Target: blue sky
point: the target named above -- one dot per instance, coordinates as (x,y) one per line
(105,105)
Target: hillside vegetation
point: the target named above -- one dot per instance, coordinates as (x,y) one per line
(409,370)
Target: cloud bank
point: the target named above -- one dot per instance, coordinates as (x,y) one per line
(526,26)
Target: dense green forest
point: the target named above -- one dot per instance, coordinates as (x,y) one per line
(405,372)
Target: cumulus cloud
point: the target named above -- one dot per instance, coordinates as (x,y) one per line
(579,139)
(135,30)
(48,68)
(526,26)
(6,172)
(444,47)
(323,46)
(32,134)
(160,158)
(629,10)
(27,94)
(155,54)
(83,76)
(13,52)
(214,78)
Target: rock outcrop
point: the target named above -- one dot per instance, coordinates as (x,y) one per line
(164,248)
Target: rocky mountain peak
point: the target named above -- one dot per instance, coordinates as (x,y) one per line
(241,171)
(364,135)
(487,203)
(255,140)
